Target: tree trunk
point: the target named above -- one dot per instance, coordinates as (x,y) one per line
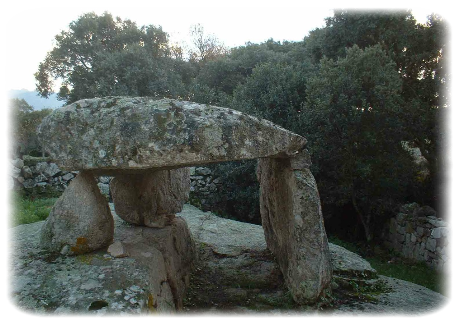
(364,220)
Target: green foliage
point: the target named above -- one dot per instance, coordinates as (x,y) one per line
(26,210)
(240,191)
(392,30)
(100,56)
(433,89)
(354,104)
(225,73)
(274,92)
(356,89)
(415,272)
(25,122)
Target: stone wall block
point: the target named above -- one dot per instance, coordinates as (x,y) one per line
(18,163)
(26,172)
(68,177)
(431,244)
(439,232)
(51,170)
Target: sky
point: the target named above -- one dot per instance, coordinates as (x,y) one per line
(28,27)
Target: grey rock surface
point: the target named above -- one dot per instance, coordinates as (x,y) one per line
(43,282)
(293,224)
(226,237)
(403,298)
(123,134)
(151,199)
(51,170)
(80,221)
(151,274)
(95,283)
(244,258)
(347,263)
(18,163)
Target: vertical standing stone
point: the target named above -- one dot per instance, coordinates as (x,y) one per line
(81,221)
(150,199)
(293,225)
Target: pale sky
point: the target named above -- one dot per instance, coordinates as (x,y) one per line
(30,26)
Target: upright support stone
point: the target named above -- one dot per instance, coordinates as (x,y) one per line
(150,199)
(293,225)
(81,221)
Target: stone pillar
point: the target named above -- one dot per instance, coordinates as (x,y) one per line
(81,221)
(150,199)
(293,225)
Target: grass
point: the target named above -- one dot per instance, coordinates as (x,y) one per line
(390,264)
(28,210)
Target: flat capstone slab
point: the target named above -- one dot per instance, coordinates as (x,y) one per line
(117,135)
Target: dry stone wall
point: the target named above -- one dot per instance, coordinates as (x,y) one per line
(417,233)
(36,176)
(204,188)
(39,176)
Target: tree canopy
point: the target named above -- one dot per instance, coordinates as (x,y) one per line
(25,122)
(359,89)
(100,56)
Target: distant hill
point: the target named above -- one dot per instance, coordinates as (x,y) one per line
(33,99)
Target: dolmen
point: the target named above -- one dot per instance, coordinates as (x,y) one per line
(147,145)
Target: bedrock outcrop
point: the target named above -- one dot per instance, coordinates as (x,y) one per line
(117,135)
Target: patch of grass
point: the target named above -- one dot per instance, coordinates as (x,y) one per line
(26,210)
(415,272)
(392,265)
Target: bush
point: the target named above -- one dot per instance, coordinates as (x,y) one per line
(26,210)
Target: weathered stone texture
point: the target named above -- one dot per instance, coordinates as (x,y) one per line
(117,134)
(80,221)
(293,225)
(169,278)
(151,199)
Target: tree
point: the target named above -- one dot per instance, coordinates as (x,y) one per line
(207,47)
(25,122)
(433,88)
(274,92)
(100,56)
(365,23)
(352,122)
